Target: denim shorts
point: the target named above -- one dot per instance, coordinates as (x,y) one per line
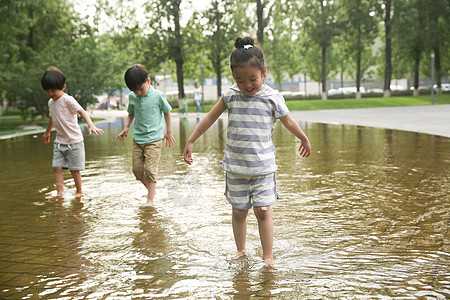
(69,156)
(243,192)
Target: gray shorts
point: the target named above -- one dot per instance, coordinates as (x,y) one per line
(243,192)
(69,156)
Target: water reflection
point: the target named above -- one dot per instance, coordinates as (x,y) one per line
(366,216)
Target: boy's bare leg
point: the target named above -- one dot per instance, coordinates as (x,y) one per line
(151,188)
(77,178)
(239,222)
(59,181)
(265,224)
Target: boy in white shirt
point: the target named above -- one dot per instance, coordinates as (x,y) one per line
(68,150)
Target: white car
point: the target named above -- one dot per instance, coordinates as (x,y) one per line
(346,90)
(445,87)
(394,87)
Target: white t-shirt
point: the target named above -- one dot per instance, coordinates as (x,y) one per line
(198,93)
(63,112)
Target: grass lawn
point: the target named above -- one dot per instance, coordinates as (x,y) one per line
(367,102)
(355,103)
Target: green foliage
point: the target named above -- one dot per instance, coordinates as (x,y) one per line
(35,34)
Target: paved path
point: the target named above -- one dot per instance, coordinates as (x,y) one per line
(433,119)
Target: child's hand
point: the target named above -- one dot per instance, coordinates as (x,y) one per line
(46,138)
(305,148)
(95,130)
(170,140)
(188,153)
(122,135)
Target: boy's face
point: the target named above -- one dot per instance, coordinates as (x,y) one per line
(54,93)
(142,90)
(249,79)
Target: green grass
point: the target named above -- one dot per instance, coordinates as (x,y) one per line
(367,102)
(11,126)
(354,103)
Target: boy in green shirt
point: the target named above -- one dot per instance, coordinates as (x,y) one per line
(146,107)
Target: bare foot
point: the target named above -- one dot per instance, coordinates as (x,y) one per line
(48,197)
(269,263)
(79,195)
(237,255)
(148,203)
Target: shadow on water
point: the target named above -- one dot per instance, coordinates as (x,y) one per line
(366,216)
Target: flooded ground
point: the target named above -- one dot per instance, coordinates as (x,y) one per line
(365,217)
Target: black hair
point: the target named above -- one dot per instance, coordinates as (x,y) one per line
(135,76)
(53,79)
(246,52)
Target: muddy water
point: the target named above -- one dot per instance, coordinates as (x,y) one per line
(366,216)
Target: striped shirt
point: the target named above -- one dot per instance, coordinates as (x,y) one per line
(251,120)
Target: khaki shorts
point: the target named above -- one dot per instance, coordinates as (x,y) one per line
(145,160)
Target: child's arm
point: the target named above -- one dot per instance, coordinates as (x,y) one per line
(48,131)
(294,128)
(210,118)
(124,132)
(92,127)
(168,136)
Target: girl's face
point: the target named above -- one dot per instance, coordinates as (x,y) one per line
(249,79)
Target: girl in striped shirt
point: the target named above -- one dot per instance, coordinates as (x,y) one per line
(249,162)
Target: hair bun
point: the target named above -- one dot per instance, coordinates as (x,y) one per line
(241,42)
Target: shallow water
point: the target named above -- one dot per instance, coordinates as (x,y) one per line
(365,217)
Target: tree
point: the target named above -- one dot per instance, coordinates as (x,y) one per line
(37,34)
(262,20)
(387,4)
(225,21)
(410,35)
(359,32)
(283,46)
(166,40)
(322,26)
(438,30)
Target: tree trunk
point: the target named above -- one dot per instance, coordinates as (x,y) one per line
(437,64)
(358,75)
(324,73)
(31,29)
(218,76)
(260,20)
(416,75)
(358,65)
(180,78)
(388,50)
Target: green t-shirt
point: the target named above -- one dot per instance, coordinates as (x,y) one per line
(148,115)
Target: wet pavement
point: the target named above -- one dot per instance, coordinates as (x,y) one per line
(367,216)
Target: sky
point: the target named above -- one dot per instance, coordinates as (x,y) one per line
(86,8)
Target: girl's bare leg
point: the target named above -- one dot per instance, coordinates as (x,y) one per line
(265,224)
(239,222)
